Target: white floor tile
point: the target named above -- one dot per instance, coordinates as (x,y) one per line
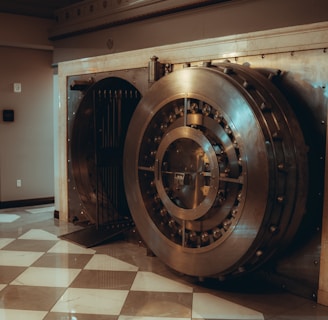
(46,277)
(8,218)
(68,247)
(148,281)
(105,262)
(2,286)
(5,241)
(207,306)
(41,210)
(38,234)
(91,301)
(8,314)
(18,258)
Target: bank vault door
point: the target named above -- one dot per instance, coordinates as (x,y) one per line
(214,161)
(103,112)
(216,173)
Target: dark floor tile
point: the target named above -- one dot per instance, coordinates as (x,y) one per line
(9,273)
(29,298)
(100,279)
(158,304)
(63,260)
(30,245)
(77,316)
(8,233)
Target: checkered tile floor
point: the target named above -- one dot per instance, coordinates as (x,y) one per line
(43,277)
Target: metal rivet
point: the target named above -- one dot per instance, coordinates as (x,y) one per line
(280,199)
(273,228)
(259,253)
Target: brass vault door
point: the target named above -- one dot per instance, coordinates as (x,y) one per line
(215,170)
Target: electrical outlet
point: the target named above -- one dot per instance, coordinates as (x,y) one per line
(17,87)
(19,183)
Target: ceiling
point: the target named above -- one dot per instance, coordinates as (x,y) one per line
(34,8)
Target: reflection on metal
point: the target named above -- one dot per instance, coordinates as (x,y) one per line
(215,170)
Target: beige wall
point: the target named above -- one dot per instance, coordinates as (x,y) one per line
(24,32)
(27,143)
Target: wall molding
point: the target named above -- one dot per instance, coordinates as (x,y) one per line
(92,15)
(9,44)
(289,39)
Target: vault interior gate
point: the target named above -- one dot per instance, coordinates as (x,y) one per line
(100,109)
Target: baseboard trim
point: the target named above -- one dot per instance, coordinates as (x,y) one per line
(26,203)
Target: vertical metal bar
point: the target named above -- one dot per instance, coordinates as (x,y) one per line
(102,108)
(110,146)
(110,172)
(119,119)
(106,102)
(96,153)
(109,113)
(114,120)
(113,186)
(118,142)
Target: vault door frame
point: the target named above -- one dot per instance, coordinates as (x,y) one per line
(256,45)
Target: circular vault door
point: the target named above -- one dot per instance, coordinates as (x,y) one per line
(215,170)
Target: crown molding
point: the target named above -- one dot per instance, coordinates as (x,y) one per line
(92,15)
